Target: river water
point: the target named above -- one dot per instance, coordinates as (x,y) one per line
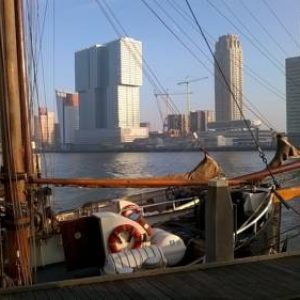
(122,165)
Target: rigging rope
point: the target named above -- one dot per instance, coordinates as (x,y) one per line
(259,149)
(263,28)
(247,68)
(281,24)
(149,72)
(262,155)
(279,67)
(267,85)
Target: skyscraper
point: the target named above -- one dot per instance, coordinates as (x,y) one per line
(292,71)
(44,124)
(68,116)
(229,55)
(108,79)
(200,118)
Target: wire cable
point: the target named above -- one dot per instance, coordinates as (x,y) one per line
(149,73)
(253,110)
(263,27)
(259,149)
(281,24)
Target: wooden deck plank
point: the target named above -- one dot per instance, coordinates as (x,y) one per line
(268,274)
(228,286)
(80,293)
(96,291)
(144,289)
(210,286)
(167,287)
(116,293)
(239,283)
(194,285)
(61,294)
(90,292)
(128,292)
(261,279)
(288,266)
(186,284)
(132,291)
(83,293)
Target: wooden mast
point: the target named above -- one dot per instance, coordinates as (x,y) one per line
(17,252)
(23,88)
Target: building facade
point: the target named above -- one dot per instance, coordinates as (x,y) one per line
(229,55)
(108,80)
(200,119)
(67,104)
(176,124)
(292,67)
(44,128)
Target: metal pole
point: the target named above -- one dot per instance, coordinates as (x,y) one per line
(188,108)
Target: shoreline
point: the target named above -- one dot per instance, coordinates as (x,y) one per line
(139,150)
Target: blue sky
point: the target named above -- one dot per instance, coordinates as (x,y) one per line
(81,23)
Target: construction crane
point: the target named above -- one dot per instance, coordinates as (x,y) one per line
(188,104)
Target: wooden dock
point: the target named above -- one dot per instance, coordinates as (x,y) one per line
(261,277)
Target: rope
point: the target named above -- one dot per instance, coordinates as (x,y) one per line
(262,155)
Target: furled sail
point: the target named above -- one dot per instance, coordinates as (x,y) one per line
(285,150)
(208,168)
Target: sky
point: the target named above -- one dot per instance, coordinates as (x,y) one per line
(269,32)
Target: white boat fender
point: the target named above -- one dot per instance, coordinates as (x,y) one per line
(135,259)
(172,245)
(154,262)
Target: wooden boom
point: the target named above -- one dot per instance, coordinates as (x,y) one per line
(121,183)
(160,181)
(260,175)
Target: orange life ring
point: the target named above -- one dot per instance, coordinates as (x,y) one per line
(131,211)
(114,239)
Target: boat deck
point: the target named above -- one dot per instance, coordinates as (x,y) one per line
(262,277)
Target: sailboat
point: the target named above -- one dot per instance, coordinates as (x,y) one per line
(27,218)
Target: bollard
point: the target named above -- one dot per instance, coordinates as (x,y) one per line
(219,242)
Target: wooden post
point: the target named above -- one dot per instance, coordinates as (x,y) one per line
(219,241)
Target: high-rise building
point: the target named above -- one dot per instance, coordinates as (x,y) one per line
(292,71)
(44,124)
(108,79)
(176,124)
(199,120)
(68,116)
(229,56)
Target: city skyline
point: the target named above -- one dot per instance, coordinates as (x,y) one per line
(83,24)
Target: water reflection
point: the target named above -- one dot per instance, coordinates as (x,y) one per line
(116,165)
